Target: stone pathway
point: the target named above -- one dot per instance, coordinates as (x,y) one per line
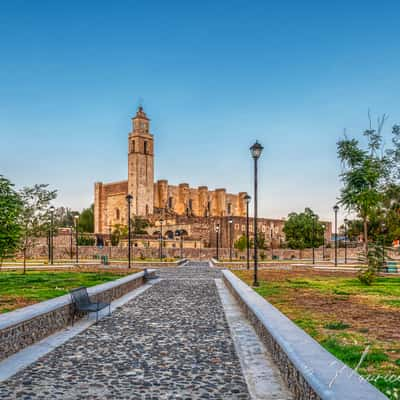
(171,342)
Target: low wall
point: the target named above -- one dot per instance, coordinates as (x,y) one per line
(311,372)
(25,326)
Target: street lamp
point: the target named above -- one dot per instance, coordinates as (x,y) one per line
(272,245)
(110,241)
(70,242)
(76,220)
(323,243)
(217,237)
(336,209)
(161,239)
(179,234)
(313,238)
(230,221)
(51,234)
(129,198)
(247,199)
(346,221)
(255,150)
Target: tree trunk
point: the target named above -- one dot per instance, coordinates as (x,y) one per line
(366,237)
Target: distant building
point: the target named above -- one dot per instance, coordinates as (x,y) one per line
(197,211)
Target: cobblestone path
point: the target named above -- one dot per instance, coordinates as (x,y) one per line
(171,342)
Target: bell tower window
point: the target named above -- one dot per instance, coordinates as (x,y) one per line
(145,147)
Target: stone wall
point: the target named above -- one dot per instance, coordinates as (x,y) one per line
(25,326)
(310,372)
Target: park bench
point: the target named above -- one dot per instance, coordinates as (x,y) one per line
(82,303)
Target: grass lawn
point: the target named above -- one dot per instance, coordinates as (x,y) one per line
(18,290)
(344,316)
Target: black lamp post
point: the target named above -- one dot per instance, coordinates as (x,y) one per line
(76,219)
(230,222)
(51,235)
(217,238)
(323,243)
(129,198)
(247,198)
(313,239)
(272,245)
(110,242)
(256,151)
(345,239)
(70,242)
(336,209)
(161,239)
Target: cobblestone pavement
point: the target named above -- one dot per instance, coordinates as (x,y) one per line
(171,342)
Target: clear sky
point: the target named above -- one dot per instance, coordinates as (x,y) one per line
(212,75)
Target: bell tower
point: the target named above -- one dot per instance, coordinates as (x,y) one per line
(141,165)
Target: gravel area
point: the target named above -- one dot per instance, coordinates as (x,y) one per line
(171,342)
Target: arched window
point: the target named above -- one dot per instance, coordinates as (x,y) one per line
(147,209)
(170,202)
(145,147)
(229,208)
(190,204)
(133,146)
(117,214)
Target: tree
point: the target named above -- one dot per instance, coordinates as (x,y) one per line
(139,225)
(86,220)
(303,230)
(241,243)
(364,175)
(35,215)
(10,210)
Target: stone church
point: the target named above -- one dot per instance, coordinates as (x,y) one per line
(154,200)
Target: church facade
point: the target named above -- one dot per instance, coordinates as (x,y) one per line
(155,199)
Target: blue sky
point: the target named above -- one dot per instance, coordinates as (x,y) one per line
(212,75)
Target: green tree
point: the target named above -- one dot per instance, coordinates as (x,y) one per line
(241,243)
(303,230)
(10,210)
(86,220)
(35,215)
(364,175)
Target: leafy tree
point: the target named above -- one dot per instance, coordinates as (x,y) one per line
(303,230)
(241,243)
(86,220)
(120,232)
(139,225)
(10,209)
(364,175)
(35,215)
(64,217)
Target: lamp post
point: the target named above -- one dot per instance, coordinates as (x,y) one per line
(70,242)
(76,219)
(247,199)
(161,239)
(336,209)
(230,222)
(217,239)
(345,239)
(129,198)
(313,239)
(51,234)
(255,150)
(323,243)
(272,245)
(110,241)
